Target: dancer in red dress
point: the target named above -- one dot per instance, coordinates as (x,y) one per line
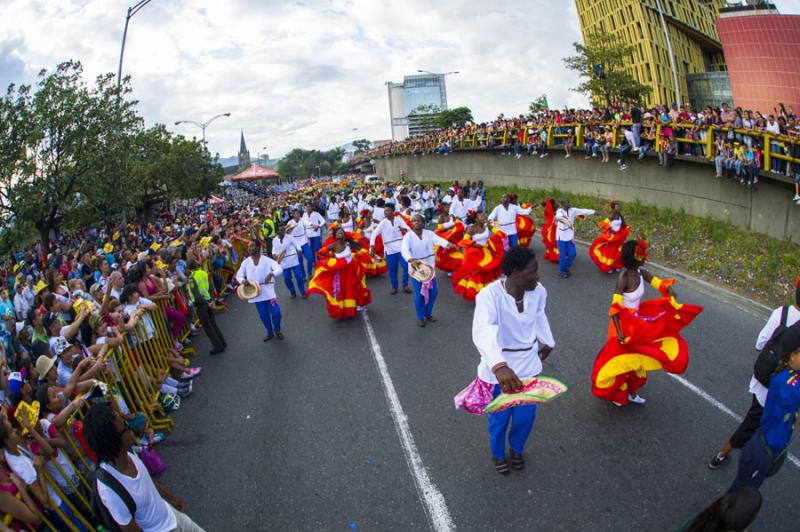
(340,277)
(452,230)
(549,230)
(606,250)
(526,228)
(483,255)
(642,336)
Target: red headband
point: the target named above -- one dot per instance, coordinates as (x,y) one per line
(641,249)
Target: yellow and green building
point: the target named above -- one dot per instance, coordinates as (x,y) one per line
(691,25)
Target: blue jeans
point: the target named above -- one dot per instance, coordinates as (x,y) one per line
(315,243)
(424,310)
(566,255)
(310,259)
(755,463)
(70,515)
(512,240)
(270,314)
(393,261)
(521,419)
(299,277)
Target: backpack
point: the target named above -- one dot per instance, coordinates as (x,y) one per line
(767,361)
(101,513)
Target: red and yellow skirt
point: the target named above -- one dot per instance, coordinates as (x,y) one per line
(343,285)
(479,267)
(606,250)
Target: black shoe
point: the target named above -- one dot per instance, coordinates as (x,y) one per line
(517,462)
(421,323)
(718,462)
(279,335)
(407,290)
(394,291)
(268,338)
(217,351)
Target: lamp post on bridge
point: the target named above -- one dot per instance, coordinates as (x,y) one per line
(132,10)
(202,125)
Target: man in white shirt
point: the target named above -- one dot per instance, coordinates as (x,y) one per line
(21,305)
(447,199)
(297,230)
(417,246)
(262,271)
(505,216)
(512,334)
(313,222)
(155,509)
(459,206)
(285,250)
(390,229)
(333,209)
(565,235)
(752,419)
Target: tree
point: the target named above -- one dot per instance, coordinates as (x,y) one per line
(362,144)
(60,135)
(539,104)
(425,117)
(601,65)
(454,117)
(300,163)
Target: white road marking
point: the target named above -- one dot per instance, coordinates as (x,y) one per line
(432,499)
(721,407)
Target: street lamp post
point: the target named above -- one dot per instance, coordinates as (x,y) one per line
(266,155)
(132,10)
(202,125)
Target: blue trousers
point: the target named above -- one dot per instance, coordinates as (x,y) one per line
(521,419)
(299,277)
(566,255)
(309,258)
(512,241)
(315,243)
(424,310)
(755,463)
(270,314)
(393,261)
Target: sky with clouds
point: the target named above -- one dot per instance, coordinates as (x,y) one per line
(301,73)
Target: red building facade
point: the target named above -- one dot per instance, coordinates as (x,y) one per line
(762,52)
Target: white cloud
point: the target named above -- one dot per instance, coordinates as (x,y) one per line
(301,73)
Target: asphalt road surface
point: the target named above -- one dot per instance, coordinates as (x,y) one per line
(312,433)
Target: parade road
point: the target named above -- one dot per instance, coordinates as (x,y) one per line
(350,425)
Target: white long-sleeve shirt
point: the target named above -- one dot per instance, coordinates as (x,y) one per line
(774,321)
(416,248)
(297,230)
(566,221)
(507,218)
(332,211)
(257,273)
(290,258)
(390,231)
(311,220)
(459,208)
(503,334)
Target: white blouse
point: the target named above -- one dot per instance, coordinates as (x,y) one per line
(414,247)
(257,273)
(290,259)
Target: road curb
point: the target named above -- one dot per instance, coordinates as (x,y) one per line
(726,296)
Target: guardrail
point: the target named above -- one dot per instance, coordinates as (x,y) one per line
(502,139)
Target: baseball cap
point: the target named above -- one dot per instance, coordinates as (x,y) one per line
(15,383)
(60,344)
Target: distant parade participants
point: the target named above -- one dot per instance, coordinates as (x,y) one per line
(313,222)
(449,259)
(642,336)
(565,235)
(483,255)
(549,230)
(512,334)
(362,235)
(340,278)
(391,230)
(285,250)
(297,230)
(504,217)
(346,220)
(606,250)
(261,271)
(417,247)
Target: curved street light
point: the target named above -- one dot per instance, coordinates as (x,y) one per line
(132,10)
(202,125)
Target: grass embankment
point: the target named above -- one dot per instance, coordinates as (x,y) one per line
(751,264)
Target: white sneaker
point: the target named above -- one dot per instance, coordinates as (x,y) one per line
(567,156)
(639,400)
(796,197)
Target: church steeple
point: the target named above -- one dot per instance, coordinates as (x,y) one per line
(244,155)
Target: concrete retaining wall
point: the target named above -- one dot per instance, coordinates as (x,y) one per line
(688,185)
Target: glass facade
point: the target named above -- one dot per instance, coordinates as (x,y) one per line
(421,90)
(709,89)
(424,91)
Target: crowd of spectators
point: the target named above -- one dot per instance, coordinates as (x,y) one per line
(735,147)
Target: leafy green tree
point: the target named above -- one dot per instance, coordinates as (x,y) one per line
(362,144)
(457,116)
(539,104)
(61,134)
(300,163)
(425,116)
(601,66)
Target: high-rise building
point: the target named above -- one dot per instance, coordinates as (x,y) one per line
(762,49)
(244,154)
(690,33)
(416,96)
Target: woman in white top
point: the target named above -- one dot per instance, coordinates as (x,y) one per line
(642,336)
(261,270)
(297,229)
(504,216)
(340,277)
(285,251)
(483,254)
